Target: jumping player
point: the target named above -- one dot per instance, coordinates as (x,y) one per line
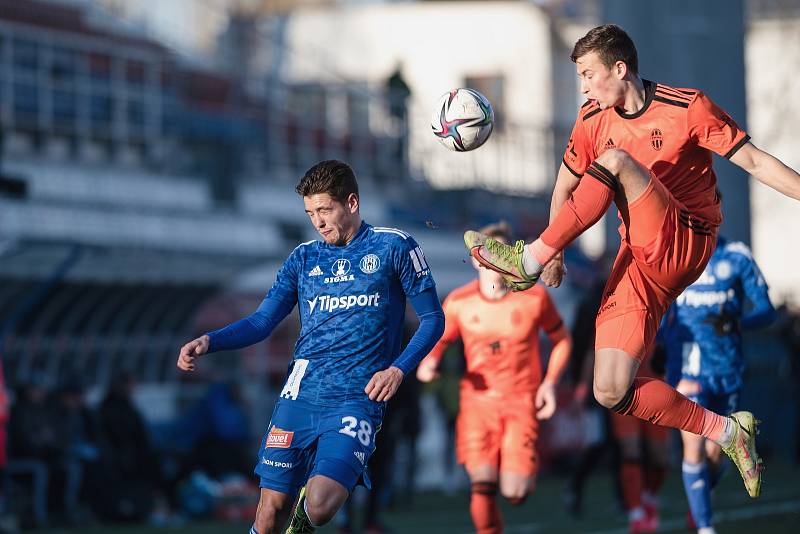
(351,289)
(647,147)
(503,394)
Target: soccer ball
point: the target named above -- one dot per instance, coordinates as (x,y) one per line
(463,119)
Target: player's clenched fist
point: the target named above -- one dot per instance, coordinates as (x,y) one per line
(545,401)
(190,351)
(428,370)
(383,384)
(554,272)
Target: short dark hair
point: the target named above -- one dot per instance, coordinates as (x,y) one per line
(330,176)
(611,43)
(500,229)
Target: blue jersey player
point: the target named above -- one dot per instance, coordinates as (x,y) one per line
(701,334)
(350,289)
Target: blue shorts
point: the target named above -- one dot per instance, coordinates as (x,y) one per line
(303,440)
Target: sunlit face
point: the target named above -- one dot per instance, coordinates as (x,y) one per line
(336,222)
(600,83)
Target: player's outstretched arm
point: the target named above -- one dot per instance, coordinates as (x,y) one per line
(768,170)
(190,351)
(243,333)
(566,182)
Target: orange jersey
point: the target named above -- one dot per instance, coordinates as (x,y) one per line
(501,337)
(673,135)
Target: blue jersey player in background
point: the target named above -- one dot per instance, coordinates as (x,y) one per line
(701,334)
(350,289)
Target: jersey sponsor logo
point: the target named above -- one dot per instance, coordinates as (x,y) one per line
(279,438)
(362,457)
(316,271)
(273,463)
(705,279)
(418,259)
(328,303)
(571,154)
(656,139)
(340,271)
(369,264)
(697,299)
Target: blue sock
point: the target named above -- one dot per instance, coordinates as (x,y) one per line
(697,485)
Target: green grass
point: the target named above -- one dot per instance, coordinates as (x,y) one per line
(777,511)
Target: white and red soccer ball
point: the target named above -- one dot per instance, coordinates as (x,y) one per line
(463,120)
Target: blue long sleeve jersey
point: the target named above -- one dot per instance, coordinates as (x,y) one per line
(700,331)
(352,302)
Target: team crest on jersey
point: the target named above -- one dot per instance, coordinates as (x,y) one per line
(341,272)
(369,264)
(656,139)
(279,438)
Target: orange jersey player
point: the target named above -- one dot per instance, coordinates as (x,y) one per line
(647,147)
(503,394)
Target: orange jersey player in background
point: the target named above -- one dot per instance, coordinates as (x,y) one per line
(503,394)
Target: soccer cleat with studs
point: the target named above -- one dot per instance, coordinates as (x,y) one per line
(742,451)
(504,259)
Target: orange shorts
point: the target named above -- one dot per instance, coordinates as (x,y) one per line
(664,249)
(497,431)
(627,426)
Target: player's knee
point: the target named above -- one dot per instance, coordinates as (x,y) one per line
(614,160)
(608,393)
(320,508)
(516,498)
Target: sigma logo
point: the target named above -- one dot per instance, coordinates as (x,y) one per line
(328,304)
(341,267)
(340,271)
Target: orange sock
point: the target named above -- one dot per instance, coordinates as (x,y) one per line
(655,401)
(587,204)
(631,482)
(654,476)
(484,510)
